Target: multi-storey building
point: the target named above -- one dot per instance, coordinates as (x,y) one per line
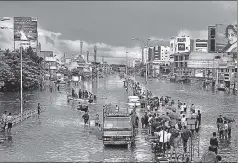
(136,63)
(200,45)
(151,54)
(165,54)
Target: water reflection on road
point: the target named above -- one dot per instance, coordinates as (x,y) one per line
(60,135)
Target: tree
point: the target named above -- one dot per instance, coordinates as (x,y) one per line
(10,71)
(7,52)
(29,51)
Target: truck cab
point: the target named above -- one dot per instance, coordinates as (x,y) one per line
(118,128)
(134,100)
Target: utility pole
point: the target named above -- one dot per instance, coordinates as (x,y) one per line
(87,56)
(95,53)
(81,47)
(21,85)
(126,64)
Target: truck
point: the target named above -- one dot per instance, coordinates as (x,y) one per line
(134,100)
(118,126)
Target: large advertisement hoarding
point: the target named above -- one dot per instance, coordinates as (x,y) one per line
(181,46)
(226,38)
(25,29)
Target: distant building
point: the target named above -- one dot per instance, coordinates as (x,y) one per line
(200,45)
(136,63)
(157,54)
(211,39)
(165,54)
(151,54)
(180,45)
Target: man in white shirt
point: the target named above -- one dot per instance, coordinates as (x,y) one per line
(4,119)
(117,109)
(194,115)
(182,109)
(184,121)
(163,138)
(148,108)
(9,122)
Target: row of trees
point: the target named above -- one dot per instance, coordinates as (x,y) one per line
(10,69)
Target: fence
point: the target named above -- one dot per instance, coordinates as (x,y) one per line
(27,114)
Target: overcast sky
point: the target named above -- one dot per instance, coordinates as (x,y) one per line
(115,23)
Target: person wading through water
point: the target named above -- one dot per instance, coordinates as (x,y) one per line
(9,122)
(4,120)
(214,143)
(38,110)
(86,118)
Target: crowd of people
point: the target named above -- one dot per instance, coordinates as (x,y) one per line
(83,94)
(167,122)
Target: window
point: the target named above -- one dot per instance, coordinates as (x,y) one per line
(213,32)
(235,69)
(201,45)
(222,70)
(212,45)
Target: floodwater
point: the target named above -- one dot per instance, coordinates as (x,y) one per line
(60,135)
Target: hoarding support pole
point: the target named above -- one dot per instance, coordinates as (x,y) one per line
(14,47)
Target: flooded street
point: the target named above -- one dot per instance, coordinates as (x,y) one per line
(210,103)
(59,134)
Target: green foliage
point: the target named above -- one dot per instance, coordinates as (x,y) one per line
(10,67)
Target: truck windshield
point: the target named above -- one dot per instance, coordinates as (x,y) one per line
(117,122)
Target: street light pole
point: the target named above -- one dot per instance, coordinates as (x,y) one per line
(21,84)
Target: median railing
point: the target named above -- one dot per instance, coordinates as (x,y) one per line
(26,114)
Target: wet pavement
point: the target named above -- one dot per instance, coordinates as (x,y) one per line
(60,135)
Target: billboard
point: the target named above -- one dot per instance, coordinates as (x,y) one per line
(226,38)
(181,46)
(25,29)
(45,54)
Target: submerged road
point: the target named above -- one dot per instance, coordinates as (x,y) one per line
(210,103)
(60,135)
